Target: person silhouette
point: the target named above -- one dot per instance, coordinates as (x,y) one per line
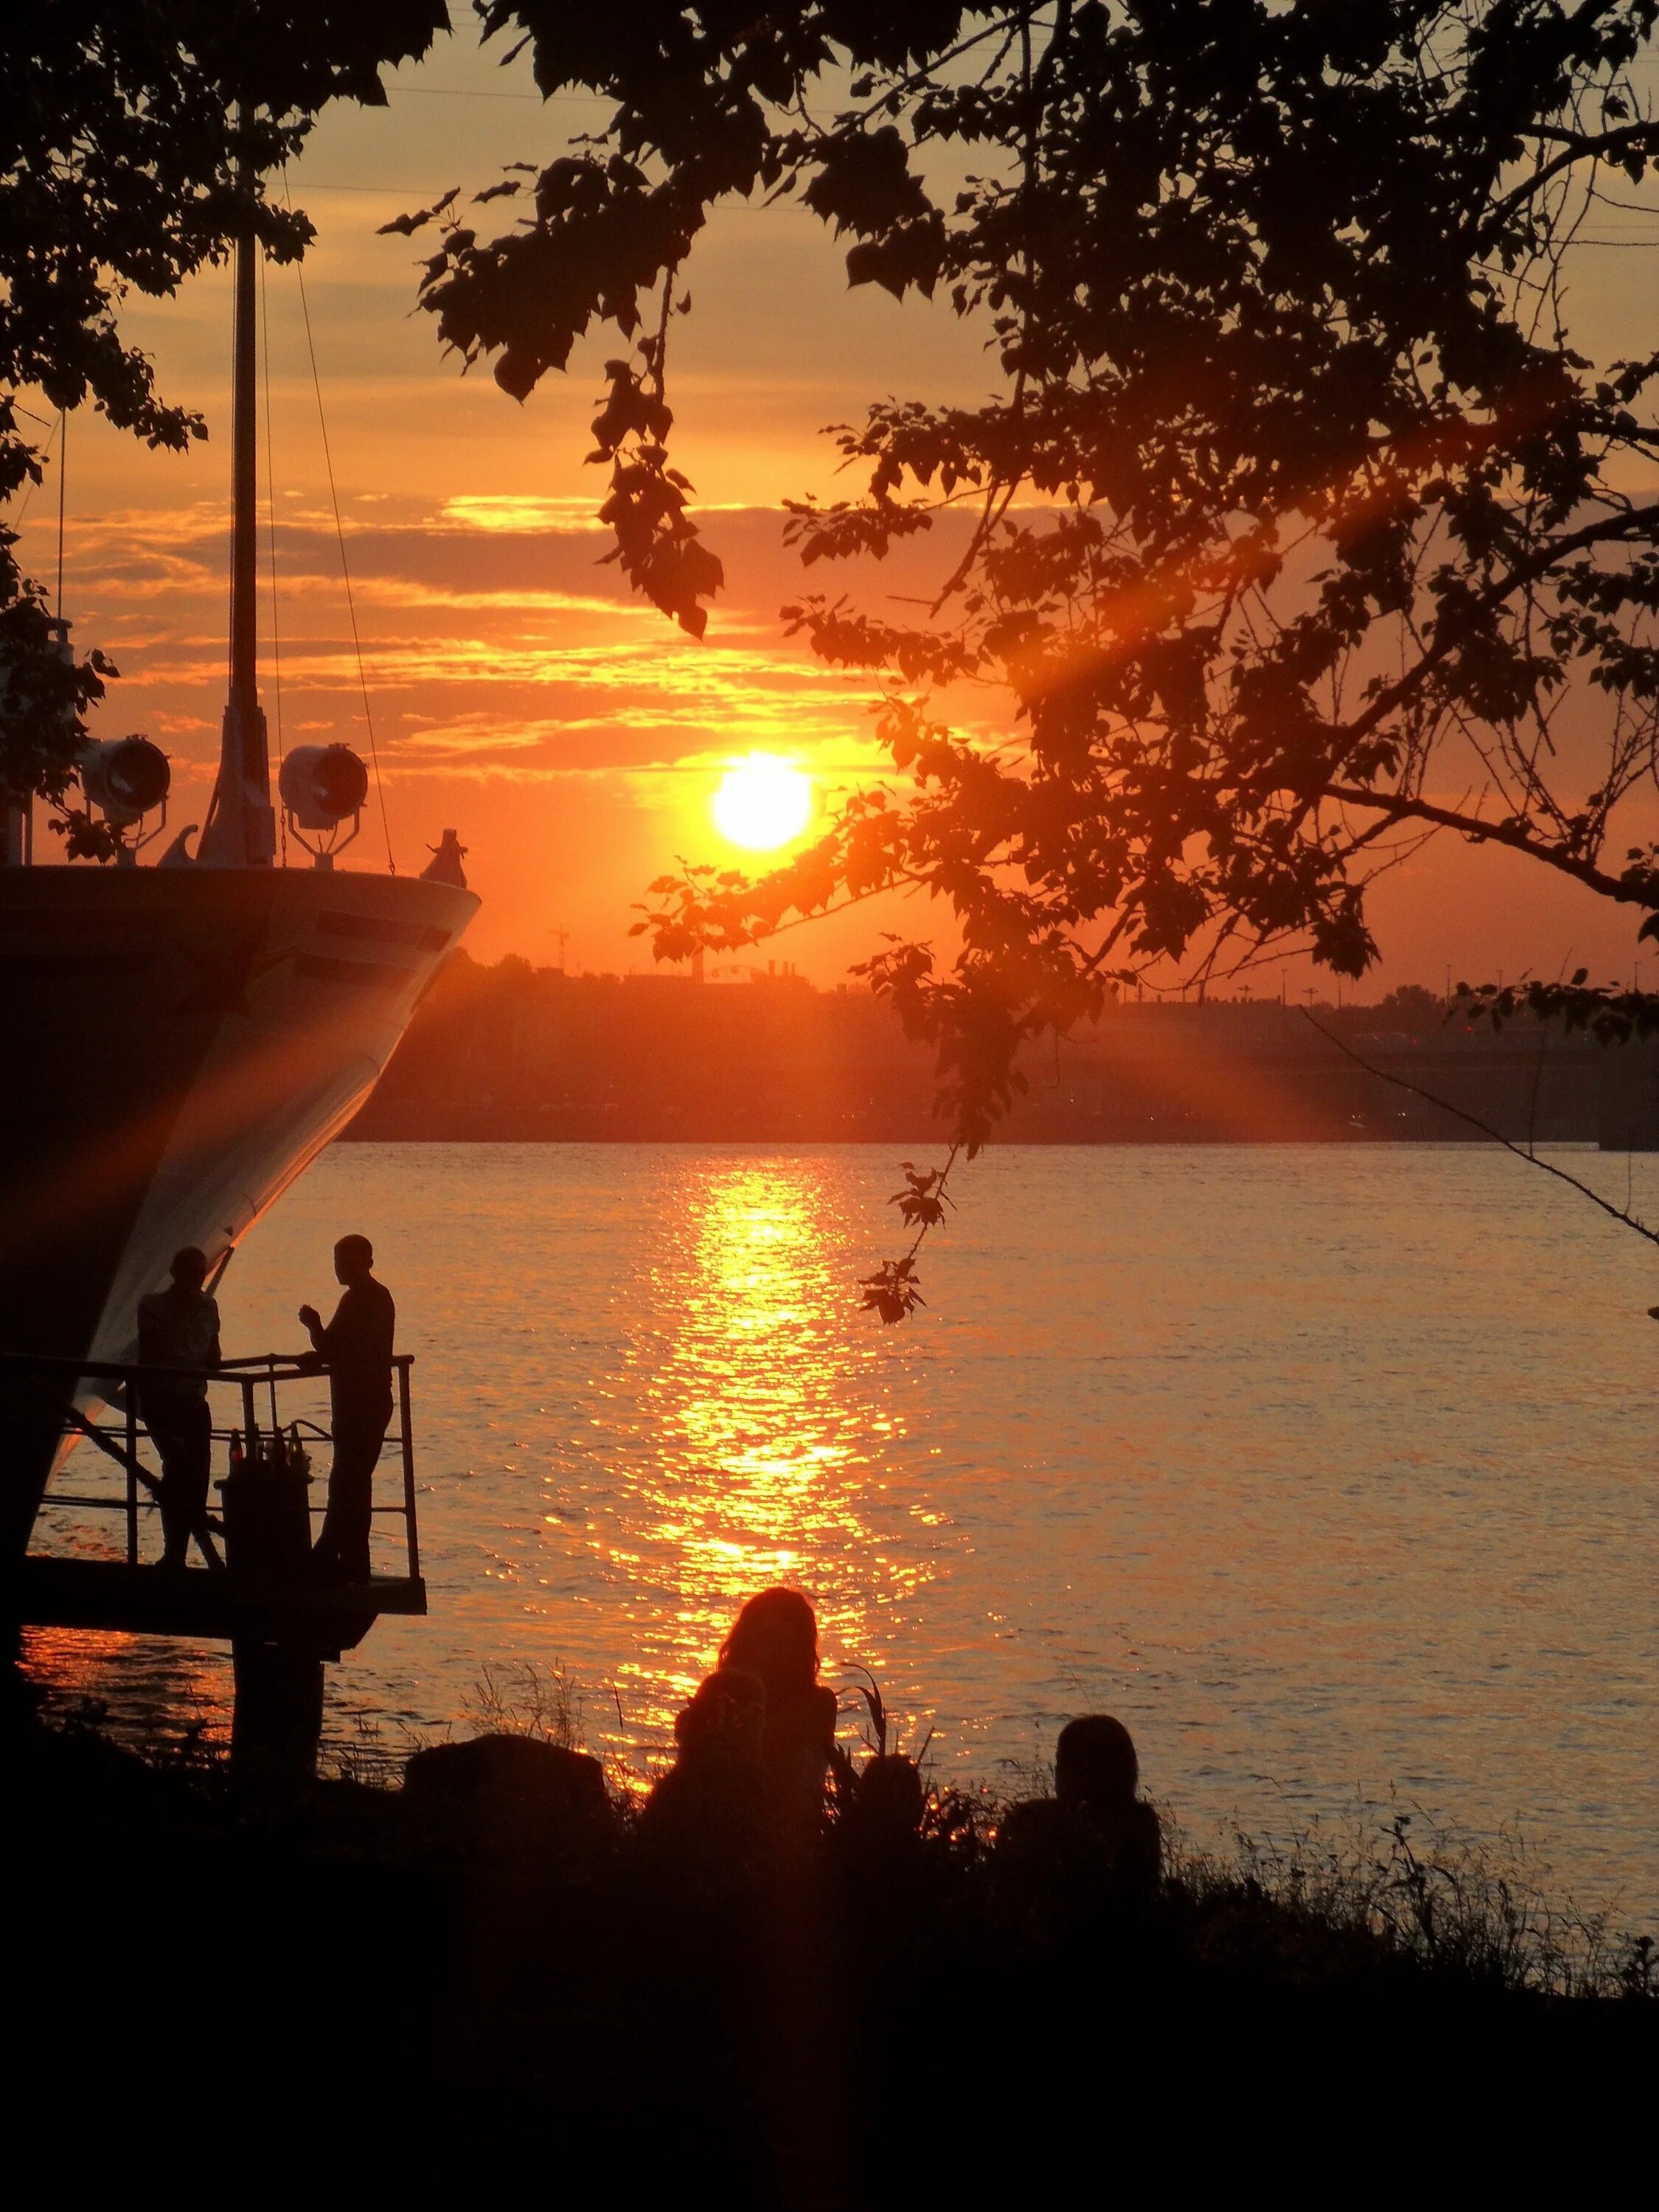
(179,1326)
(884,1808)
(711,1804)
(1096,1842)
(356,1347)
(1096,1781)
(775,1638)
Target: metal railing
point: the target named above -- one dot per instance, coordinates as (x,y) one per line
(261,1374)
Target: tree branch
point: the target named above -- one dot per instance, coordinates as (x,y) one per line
(1399,808)
(1579,147)
(1475,1122)
(1634,520)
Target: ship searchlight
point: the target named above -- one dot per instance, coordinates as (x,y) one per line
(125,779)
(323,788)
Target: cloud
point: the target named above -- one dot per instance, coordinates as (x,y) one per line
(494,645)
(460,741)
(374,591)
(519,511)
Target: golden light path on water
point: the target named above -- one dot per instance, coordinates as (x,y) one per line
(756,1424)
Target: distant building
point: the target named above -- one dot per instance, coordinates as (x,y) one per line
(1629,1098)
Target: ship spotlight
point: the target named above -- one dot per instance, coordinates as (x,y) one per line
(125,779)
(323,787)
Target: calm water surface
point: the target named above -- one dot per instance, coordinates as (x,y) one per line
(1332,1470)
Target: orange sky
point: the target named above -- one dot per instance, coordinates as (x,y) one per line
(518,692)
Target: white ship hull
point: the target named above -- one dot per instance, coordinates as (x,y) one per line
(179,1043)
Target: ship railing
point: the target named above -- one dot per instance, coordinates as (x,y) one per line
(257,1377)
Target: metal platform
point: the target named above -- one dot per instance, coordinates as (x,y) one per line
(325,1619)
(261,1598)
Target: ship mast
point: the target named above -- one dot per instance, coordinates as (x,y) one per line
(242,828)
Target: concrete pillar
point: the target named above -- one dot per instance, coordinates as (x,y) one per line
(276,1721)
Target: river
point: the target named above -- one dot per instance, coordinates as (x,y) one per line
(1330,1469)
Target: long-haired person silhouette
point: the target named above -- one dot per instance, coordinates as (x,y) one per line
(712,1808)
(775,1638)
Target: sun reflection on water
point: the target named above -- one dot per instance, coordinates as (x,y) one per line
(761,1420)
(172,1693)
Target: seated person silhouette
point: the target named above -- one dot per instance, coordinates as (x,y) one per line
(179,1326)
(884,1808)
(1096,1781)
(775,1638)
(356,1346)
(712,1803)
(1095,1841)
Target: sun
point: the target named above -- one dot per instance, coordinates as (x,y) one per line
(763,803)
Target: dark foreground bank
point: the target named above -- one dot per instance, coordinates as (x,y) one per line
(511,1937)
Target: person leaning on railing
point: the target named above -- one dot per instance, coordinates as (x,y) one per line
(357,1346)
(179,1326)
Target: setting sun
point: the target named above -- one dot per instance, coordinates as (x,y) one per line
(763,802)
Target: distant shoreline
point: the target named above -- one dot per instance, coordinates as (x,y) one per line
(520,1055)
(356,1134)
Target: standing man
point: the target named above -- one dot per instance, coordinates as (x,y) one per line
(356,1346)
(179,1326)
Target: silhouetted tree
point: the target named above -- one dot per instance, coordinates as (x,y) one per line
(1410,1004)
(1299,502)
(120,150)
(1276,296)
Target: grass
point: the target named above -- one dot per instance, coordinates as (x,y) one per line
(1413,1896)
(824,2028)
(1406,1901)
(1396,1907)
(527,1700)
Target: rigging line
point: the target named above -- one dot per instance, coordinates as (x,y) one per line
(345,565)
(1619,1213)
(270,524)
(31,488)
(63,479)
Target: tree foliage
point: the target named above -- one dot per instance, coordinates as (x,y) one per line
(1299,511)
(124,167)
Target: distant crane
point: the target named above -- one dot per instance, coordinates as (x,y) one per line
(564,936)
